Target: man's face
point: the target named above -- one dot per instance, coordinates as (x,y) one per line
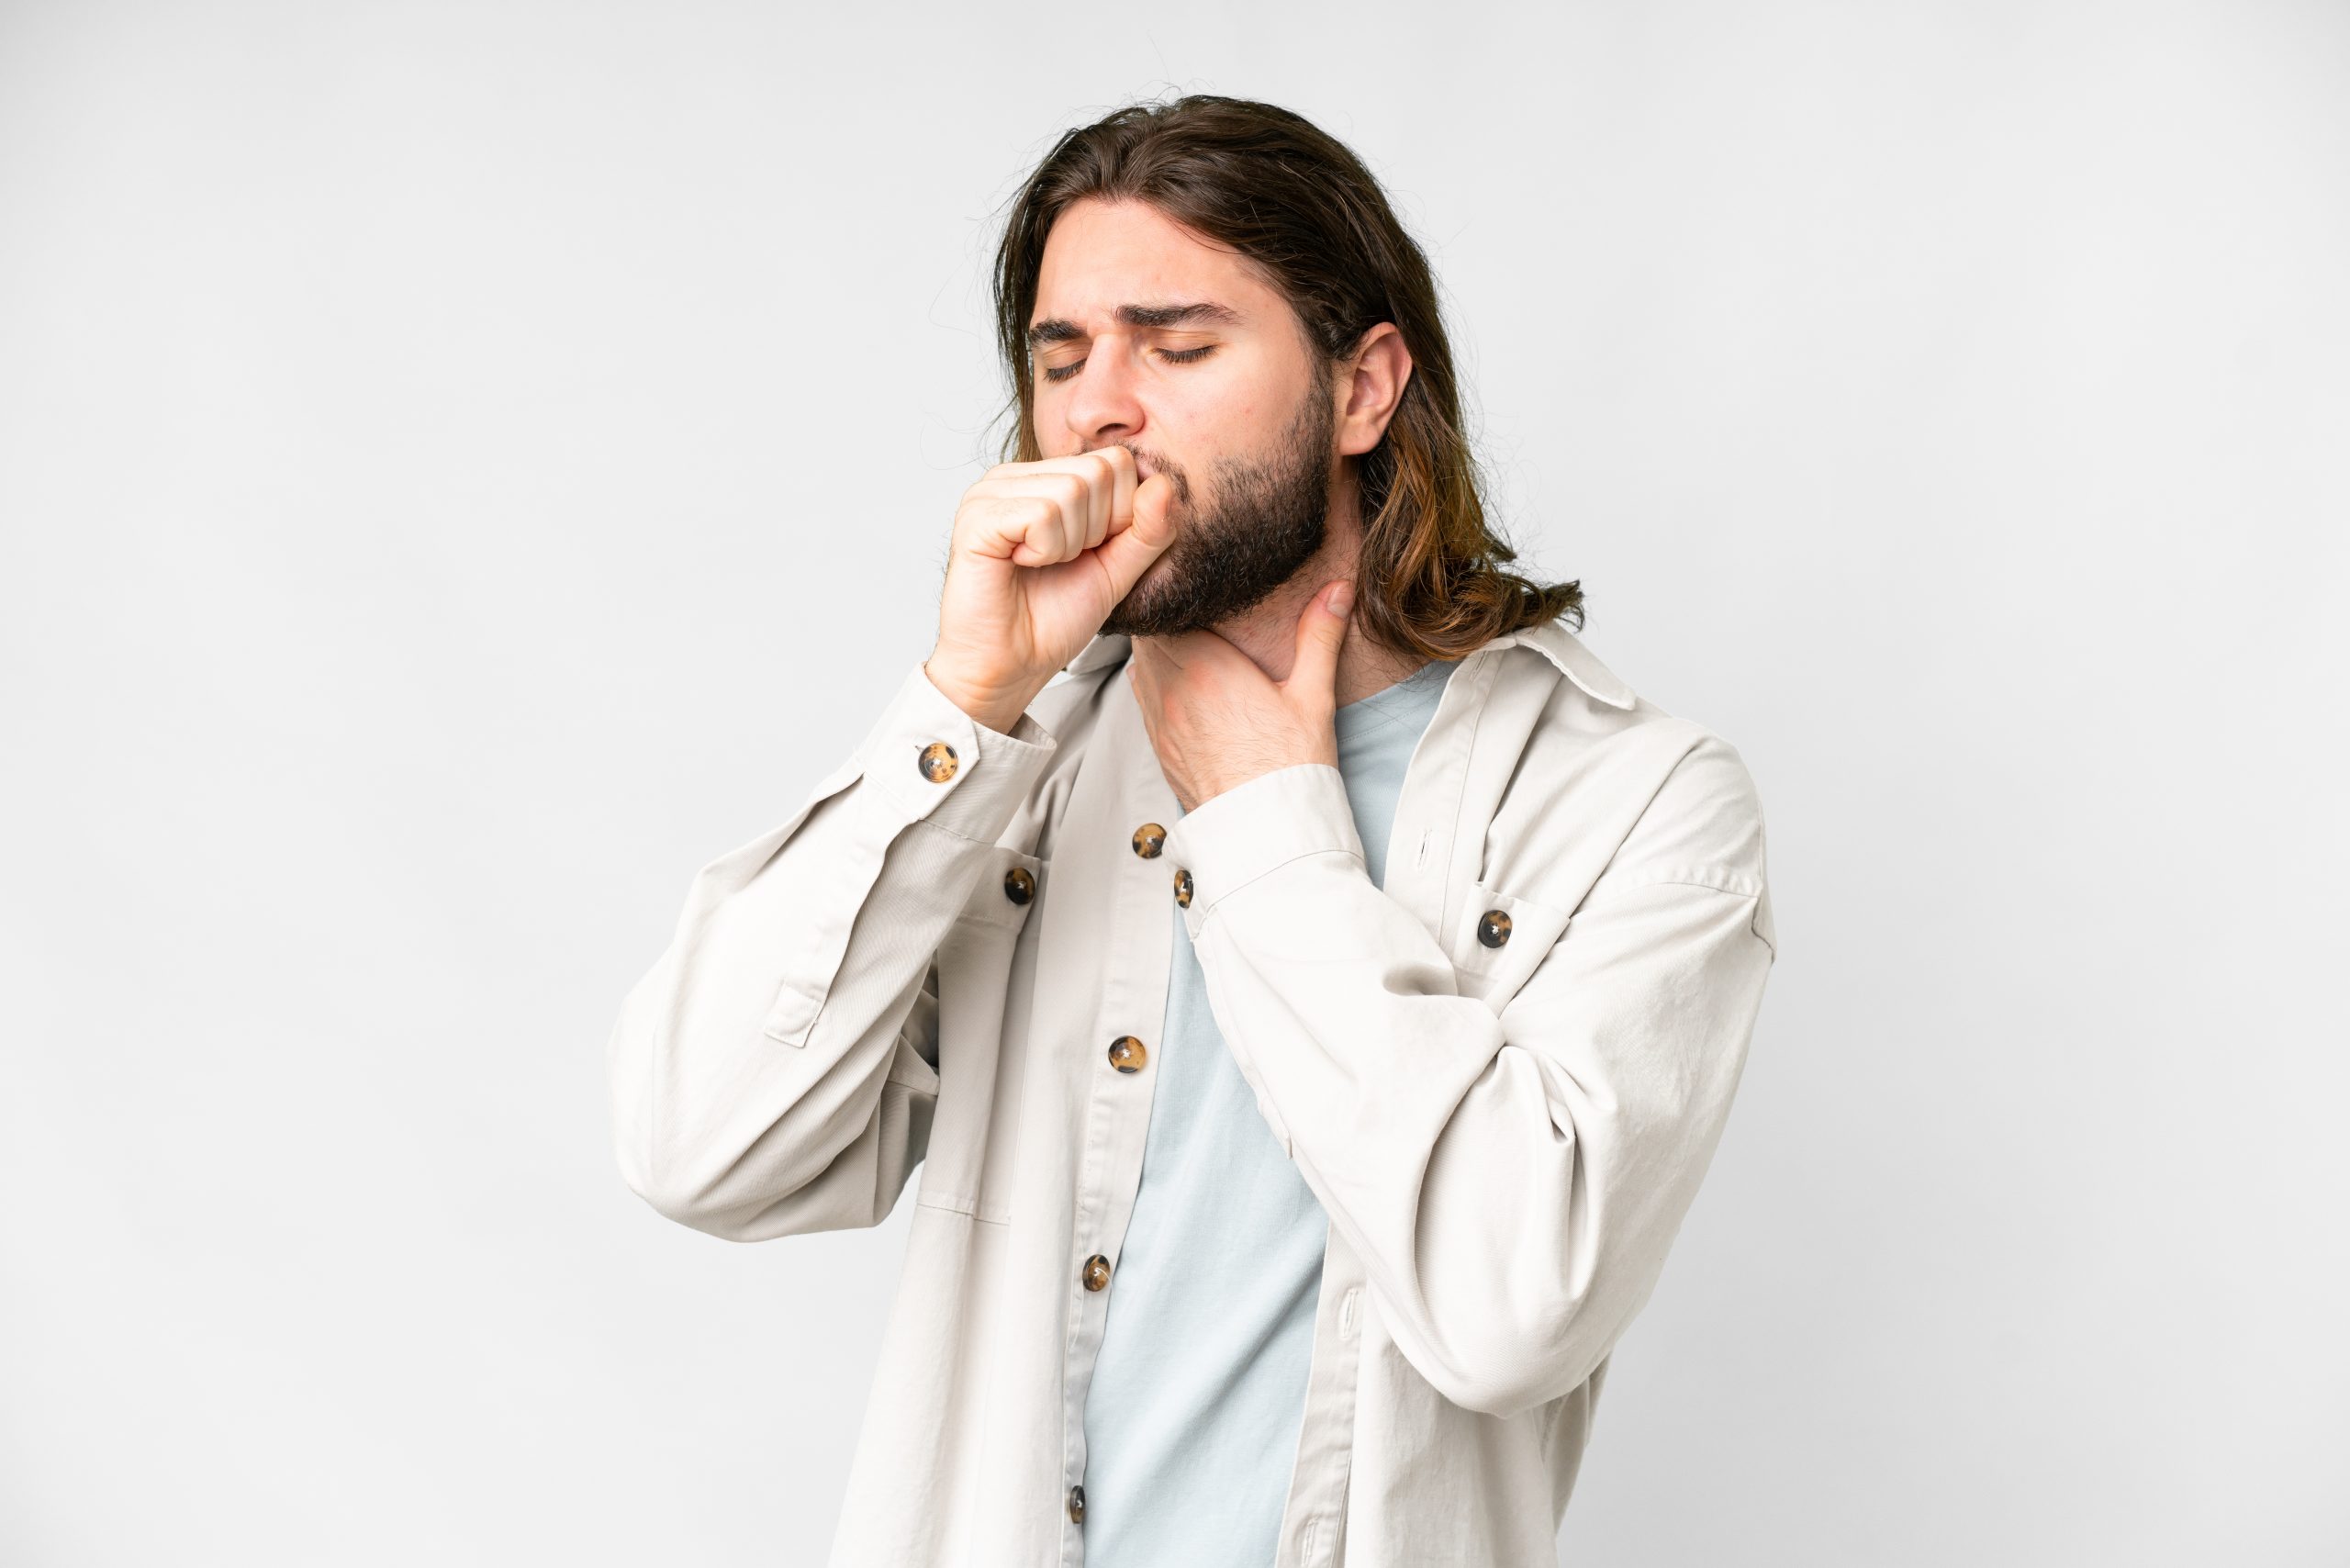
(1225,400)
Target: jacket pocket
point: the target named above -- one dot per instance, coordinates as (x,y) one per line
(1497,941)
(801,996)
(974,980)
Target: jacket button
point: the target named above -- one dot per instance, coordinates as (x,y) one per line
(1149,839)
(1097,1273)
(1127,1054)
(1183,889)
(938,762)
(1076,1504)
(1493,930)
(1018,885)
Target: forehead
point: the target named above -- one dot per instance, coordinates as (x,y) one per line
(1100,256)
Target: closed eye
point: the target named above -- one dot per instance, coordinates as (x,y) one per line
(1172,356)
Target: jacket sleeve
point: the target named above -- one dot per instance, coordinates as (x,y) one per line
(776,1072)
(1511,1181)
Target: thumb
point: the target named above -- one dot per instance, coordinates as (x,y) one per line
(1125,554)
(1321,631)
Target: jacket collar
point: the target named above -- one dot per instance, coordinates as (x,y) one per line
(1552,639)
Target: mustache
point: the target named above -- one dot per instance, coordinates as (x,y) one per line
(1148,466)
(1175,476)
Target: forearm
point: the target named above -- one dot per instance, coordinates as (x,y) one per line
(1511,1182)
(759,1048)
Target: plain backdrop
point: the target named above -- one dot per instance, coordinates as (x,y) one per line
(464,466)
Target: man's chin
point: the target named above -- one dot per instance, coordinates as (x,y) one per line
(1125,623)
(1146,620)
(1143,612)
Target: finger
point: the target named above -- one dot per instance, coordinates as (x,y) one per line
(1041,527)
(1061,489)
(1321,631)
(1120,512)
(1127,552)
(1093,507)
(1086,501)
(1073,492)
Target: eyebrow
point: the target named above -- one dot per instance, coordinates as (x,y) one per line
(1060,330)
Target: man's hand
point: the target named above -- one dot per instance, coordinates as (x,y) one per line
(1216,719)
(1041,553)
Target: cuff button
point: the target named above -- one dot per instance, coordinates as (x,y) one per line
(1493,929)
(937,762)
(1183,889)
(1019,884)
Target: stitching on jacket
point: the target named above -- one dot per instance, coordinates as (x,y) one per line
(1721,879)
(1599,895)
(1753,917)
(1489,677)
(967,1208)
(1301,854)
(950,833)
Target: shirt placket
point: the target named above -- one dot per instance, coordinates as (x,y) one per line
(1117,1068)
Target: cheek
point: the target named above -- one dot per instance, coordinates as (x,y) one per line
(1262,399)
(1215,411)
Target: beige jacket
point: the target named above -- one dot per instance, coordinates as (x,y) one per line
(1503,1075)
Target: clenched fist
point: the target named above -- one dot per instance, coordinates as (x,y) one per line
(1042,552)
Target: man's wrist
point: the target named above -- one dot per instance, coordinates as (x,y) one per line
(997,712)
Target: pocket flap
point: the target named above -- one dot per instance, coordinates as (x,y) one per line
(1008,886)
(1499,939)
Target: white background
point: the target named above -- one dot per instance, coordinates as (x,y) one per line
(464,466)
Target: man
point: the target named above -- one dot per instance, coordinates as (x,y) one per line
(1241,762)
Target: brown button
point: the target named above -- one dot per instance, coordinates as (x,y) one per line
(1018,885)
(1076,1504)
(938,762)
(1493,930)
(1149,839)
(1183,889)
(1097,1273)
(1127,1054)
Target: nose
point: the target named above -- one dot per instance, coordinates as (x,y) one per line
(1103,407)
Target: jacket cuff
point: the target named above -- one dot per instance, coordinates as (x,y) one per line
(1238,837)
(936,763)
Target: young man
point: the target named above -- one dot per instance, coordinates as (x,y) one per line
(1311,983)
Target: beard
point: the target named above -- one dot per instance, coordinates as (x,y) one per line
(1265,520)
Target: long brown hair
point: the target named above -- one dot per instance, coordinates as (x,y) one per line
(1298,204)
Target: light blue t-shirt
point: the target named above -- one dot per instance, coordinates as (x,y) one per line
(1192,1416)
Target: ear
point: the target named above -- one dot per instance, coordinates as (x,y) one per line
(1371,383)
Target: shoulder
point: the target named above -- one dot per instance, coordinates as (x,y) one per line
(1702,823)
(1609,782)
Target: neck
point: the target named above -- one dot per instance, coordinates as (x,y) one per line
(1267,632)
